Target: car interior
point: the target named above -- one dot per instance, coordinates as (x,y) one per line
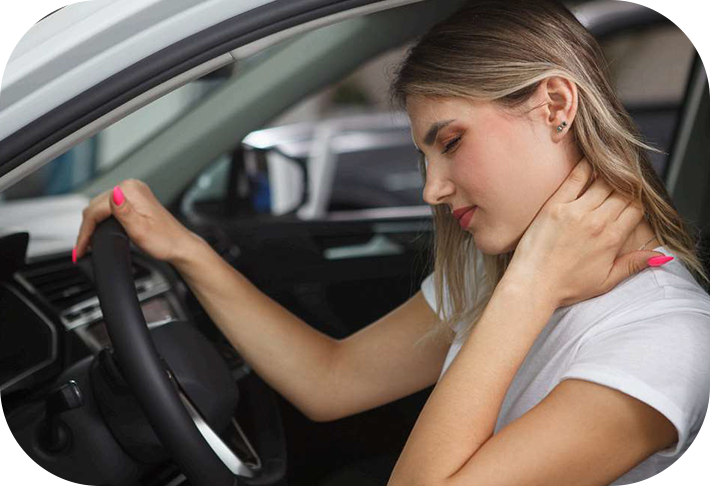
(340,239)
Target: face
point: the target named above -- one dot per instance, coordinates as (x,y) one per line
(479,155)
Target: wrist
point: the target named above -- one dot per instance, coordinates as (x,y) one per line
(187,250)
(520,285)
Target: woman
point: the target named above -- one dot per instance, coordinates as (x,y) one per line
(558,356)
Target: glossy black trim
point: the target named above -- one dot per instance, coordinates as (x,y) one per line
(55,346)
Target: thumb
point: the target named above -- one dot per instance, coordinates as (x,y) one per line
(120,207)
(633,262)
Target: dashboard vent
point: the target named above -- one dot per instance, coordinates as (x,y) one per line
(63,284)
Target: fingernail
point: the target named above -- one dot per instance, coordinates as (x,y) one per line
(659,260)
(118,196)
(73,256)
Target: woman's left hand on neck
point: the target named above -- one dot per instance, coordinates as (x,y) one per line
(572,249)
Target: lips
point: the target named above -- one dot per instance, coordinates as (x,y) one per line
(464,215)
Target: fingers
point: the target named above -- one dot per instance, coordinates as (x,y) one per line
(574,183)
(629,219)
(597,191)
(137,210)
(110,202)
(595,195)
(97,210)
(598,195)
(120,206)
(630,264)
(612,207)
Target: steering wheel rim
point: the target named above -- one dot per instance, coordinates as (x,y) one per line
(143,368)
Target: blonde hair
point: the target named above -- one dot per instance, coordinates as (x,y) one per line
(500,51)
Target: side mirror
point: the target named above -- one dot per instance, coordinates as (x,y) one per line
(249,182)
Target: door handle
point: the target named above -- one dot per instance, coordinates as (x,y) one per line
(379,245)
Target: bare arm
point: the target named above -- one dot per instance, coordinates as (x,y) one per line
(323,377)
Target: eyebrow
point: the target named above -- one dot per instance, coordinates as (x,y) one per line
(430,137)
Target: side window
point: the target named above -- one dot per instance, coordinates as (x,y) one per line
(649,69)
(376,169)
(248,182)
(356,152)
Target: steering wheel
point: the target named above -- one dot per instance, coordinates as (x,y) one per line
(199,451)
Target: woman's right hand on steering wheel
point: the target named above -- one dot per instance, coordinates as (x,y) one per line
(146,221)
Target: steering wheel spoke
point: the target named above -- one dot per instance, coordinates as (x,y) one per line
(222,450)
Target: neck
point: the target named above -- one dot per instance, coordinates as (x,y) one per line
(640,236)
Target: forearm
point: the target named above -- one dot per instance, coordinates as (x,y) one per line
(462,411)
(290,355)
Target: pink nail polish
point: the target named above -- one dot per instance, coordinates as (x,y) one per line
(73,256)
(659,260)
(118,196)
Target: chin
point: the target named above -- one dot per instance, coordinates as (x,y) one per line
(494,246)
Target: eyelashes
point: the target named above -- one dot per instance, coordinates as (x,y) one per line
(451,145)
(448,147)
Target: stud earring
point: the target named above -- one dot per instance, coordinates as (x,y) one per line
(562,126)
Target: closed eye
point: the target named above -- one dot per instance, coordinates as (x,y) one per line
(451,145)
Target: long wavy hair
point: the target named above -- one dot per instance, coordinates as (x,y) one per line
(500,51)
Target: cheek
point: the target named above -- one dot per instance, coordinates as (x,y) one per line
(514,177)
(497,175)
(526,173)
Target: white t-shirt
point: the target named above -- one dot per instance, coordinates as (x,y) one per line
(649,337)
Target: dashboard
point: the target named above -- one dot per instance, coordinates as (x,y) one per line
(62,393)
(50,315)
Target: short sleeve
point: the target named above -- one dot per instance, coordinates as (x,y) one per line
(429,289)
(429,292)
(663,361)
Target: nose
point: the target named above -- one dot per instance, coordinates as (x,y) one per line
(437,189)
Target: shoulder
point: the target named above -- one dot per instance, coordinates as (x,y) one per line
(654,323)
(653,293)
(648,338)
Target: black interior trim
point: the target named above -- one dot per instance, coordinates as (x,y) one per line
(158,68)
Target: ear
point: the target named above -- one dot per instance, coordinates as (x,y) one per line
(560,100)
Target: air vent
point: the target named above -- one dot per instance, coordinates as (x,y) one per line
(59,282)
(62,284)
